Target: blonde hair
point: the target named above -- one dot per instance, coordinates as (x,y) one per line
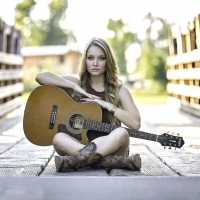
(112,82)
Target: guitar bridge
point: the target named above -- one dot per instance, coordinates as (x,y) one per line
(53,116)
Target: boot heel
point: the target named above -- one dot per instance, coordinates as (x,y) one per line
(58,162)
(137,161)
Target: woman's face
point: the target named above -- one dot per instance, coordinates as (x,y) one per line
(96,61)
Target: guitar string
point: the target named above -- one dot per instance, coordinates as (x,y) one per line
(63,117)
(57,114)
(58,119)
(71,120)
(106,127)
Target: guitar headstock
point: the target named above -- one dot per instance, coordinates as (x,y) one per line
(170,140)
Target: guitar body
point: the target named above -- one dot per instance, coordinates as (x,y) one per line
(48,107)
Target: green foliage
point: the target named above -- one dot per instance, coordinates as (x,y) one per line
(31,34)
(42,32)
(120,42)
(152,62)
(56,35)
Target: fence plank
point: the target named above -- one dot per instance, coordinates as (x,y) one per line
(11,86)
(10,74)
(185,90)
(183,72)
(11,59)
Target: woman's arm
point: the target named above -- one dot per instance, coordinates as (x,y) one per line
(49,78)
(129,114)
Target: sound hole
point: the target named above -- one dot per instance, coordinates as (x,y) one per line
(76,121)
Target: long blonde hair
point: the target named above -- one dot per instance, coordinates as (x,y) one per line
(112,82)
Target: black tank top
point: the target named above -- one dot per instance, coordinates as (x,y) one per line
(105,115)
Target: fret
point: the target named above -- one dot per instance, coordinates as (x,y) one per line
(141,135)
(153,137)
(131,132)
(137,135)
(148,136)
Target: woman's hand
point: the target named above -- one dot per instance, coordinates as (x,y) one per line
(82,92)
(102,103)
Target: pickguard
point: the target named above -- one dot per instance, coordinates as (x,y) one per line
(62,128)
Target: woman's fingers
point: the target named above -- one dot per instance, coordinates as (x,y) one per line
(98,101)
(79,90)
(91,96)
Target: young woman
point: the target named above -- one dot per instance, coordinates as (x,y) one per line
(98,83)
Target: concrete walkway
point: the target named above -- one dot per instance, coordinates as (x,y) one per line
(161,168)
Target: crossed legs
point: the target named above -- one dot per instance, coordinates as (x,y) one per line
(103,152)
(116,143)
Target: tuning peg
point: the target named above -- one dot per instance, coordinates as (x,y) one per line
(178,134)
(164,147)
(169,147)
(175,148)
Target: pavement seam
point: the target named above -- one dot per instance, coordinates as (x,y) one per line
(42,167)
(12,145)
(178,173)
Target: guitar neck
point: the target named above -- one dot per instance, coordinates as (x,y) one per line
(107,128)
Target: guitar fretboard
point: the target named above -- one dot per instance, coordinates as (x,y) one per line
(107,128)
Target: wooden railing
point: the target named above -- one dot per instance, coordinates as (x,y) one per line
(184,67)
(11,86)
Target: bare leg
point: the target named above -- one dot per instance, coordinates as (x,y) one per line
(65,144)
(115,143)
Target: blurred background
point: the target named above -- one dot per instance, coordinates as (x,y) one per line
(155,43)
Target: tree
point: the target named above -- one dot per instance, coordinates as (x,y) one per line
(120,42)
(24,22)
(152,62)
(36,32)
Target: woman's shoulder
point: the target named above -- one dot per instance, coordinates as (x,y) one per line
(123,90)
(72,78)
(124,93)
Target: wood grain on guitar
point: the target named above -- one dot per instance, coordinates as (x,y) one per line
(49,107)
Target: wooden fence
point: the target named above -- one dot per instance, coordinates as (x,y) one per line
(11,86)
(183,71)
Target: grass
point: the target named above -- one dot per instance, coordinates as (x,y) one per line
(149,99)
(25,96)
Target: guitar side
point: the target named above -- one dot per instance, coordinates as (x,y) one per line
(47,107)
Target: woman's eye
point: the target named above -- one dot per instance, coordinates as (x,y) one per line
(102,58)
(90,58)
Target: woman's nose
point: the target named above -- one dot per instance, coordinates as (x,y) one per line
(95,62)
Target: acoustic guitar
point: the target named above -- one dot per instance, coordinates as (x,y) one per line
(50,110)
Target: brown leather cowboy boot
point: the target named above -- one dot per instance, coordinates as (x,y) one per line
(81,158)
(118,162)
